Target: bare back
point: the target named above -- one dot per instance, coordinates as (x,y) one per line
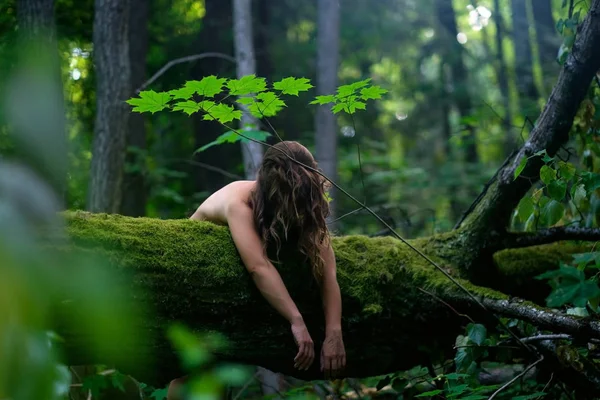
(215,207)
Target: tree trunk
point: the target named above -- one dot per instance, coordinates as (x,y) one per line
(215,36)
(528,92)
(454,57)
(113,77)
(547,40)
(190,272)
(488,217)
(328,49)
(40,123)
(135,191)
(502,72)
(246,65)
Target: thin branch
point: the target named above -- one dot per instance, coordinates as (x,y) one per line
(537,338)
(551,235)
(516,378)
(185,59)
(362,179)
(447,305)
(210,168)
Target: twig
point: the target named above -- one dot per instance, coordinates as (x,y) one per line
(176,61)
(209,167)
(561,336)
(551,235)
(362,179)
(447,305)
(516,378)
(243,388)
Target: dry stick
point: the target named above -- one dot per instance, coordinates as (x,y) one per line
(171,63)
(516,378)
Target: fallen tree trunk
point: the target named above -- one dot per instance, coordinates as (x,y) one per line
(190,272)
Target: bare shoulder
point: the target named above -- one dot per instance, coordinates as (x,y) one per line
(234,196)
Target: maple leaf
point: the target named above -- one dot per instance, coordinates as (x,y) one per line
(150,101)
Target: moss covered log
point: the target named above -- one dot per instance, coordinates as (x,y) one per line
(190,272)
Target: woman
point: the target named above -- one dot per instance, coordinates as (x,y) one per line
(286,200)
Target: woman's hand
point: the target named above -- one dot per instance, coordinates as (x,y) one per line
(306,349)
(333,354)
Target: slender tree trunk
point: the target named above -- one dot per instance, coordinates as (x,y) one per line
(547,39)
(215,36)
(135,191)
(502,72)
(454,57)
(328,48)
(246,65)
(528,92)
(113,76)
(42,128)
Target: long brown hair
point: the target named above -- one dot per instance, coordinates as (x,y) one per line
(289,202)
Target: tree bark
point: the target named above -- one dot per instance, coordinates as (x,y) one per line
(547,39)
(328,48)
(190,272)
(40,124)
(246,65)
(489,215)
(528,92)
(502,72)
(135,191)
(113,76)
(453,55)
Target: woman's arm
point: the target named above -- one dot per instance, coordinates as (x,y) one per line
(267,279)
(333,355)
(332,298)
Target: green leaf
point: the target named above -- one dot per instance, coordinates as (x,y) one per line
(233,137)
(552,212)
(191,351)
(94,383)
(521,167)
(430,393)
(578,193)
(292,85)
(150,101)
(349,105)
(399,384)
(182,93)
(567,170)
(587,258)
(547,174)
(160,394)
(246,85)
(372,92)
(246,100)
(222,113)
(330,98)
(267,104)
(477,333)
(209,86)
(234,375)
(384,382)
(525,208)
(557,189)
(591,181)
(189,107)
(117,380)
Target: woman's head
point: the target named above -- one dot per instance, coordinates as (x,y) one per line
(289,201)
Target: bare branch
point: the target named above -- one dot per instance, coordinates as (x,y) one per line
(516,378)
(194,57)
(551,235)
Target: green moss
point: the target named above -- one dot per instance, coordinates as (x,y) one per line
(531,261)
